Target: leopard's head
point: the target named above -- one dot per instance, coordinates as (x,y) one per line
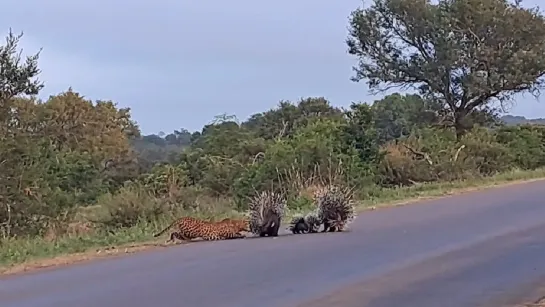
(242,225)
(239,225)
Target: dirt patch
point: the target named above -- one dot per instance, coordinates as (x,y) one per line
(151,245)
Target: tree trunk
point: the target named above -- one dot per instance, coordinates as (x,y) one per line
(460,123)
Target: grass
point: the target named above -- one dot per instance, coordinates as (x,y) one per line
(400,196)
(35,250)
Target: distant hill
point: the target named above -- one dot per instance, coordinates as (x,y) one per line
(511,120)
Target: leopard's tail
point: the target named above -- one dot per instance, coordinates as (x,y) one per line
(166,229)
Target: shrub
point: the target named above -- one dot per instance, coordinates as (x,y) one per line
(129,206)
(526,144)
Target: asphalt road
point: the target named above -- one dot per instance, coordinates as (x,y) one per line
(478,249)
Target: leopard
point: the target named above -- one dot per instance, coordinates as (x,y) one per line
(237,224)
(189,228)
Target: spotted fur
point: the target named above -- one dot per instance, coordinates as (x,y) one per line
(236,223)
(188,228)
(265,212)
(335,207)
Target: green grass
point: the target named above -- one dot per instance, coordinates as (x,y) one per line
(19,251)
(430,190)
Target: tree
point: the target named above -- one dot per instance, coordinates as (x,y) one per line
(73,123)
(220,154)
(179,138)
(287,117)
(360,132)
(316,153)
(16,149)
(463,53)
(397,115)
(17,78)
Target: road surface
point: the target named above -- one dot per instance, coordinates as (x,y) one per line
(479,249)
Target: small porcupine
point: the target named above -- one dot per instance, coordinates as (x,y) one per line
(313,222)
(265,213)
(298,225)
(305,224)
(335,207)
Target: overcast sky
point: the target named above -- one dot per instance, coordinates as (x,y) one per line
(178,63)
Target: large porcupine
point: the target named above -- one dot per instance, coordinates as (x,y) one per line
(335,207)
(305,224)
(265,213)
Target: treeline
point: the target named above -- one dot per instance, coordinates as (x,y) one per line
(164,147)
(68,160)
(519,120)
(68,164)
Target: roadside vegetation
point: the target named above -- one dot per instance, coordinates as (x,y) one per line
(77,174)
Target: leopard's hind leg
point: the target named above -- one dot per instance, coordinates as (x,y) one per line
(172,238)
(178,235)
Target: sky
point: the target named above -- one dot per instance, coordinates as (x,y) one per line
(179,63)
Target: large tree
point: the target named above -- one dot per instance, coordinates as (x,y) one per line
(465,54)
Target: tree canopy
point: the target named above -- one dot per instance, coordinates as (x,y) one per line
(465,54)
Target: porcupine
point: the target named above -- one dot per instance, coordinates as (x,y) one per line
(265,213)
(305,224)
(335,207)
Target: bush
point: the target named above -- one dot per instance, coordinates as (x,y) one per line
(128,207)
(526,144)
(315,154)
(483,154)
(436,155)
